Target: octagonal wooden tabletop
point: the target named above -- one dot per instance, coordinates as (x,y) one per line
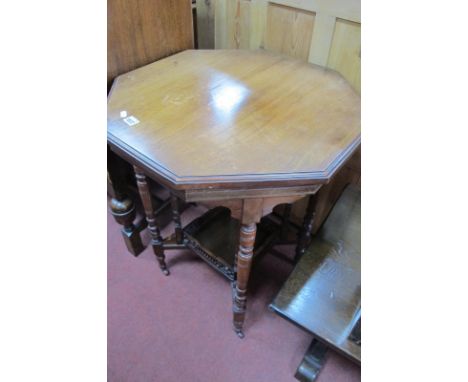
(224,118)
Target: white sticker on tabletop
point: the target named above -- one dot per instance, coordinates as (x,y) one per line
(131,120)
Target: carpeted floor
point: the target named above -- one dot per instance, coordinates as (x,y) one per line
(178,328)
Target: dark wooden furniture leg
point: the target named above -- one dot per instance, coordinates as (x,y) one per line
(312,362)
(156,239)
(179,233)
(121,205)
(306,229)
(244,263)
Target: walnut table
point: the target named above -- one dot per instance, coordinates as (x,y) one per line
(243,130)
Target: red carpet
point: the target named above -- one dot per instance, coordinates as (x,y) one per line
(178,328)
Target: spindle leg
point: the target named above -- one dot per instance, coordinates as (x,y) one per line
(244,263)
(306,229)
(179,233)
(156,239)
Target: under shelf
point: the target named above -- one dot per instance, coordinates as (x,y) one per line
(214,237)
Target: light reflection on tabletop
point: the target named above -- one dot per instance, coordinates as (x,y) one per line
(228,97)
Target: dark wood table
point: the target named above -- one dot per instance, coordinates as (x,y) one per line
(243,131)
(323,293)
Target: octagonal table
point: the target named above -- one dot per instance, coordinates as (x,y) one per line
(246,130)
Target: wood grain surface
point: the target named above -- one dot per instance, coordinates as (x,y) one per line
(207,118)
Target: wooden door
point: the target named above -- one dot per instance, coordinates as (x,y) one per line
(142,31)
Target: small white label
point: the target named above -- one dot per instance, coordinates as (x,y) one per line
(130,121)
(123,114)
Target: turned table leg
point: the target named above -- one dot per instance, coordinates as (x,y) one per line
(156,239)
(121,205)
(306,229)
(179,233)
(244,263)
